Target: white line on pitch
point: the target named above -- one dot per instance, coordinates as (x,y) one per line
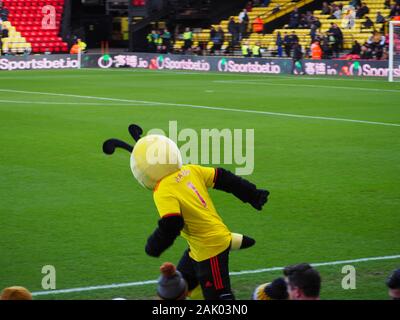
(69,103)
(274,76)
(257,82)
(142,283)
(204,107)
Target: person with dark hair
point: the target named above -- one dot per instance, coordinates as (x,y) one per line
(297,58)
(166,41)
(275,290)
(368,23)
(362,11)
(356,48)
(303,281)
(233,29)
(279,43)
(294,19)
(326,9)
(287,44)
(380,18)
(393,284)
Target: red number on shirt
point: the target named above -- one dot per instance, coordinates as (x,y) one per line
(191,186)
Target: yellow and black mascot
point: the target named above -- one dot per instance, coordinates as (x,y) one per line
(181,196)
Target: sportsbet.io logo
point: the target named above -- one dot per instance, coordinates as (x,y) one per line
(223,65)
(355,69)
(105,61)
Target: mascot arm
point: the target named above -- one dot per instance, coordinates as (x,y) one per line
(240,188)
(164,236)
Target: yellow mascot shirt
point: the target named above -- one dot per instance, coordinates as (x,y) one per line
(185,193)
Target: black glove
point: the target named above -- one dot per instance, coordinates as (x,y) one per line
(260,198)
(240,188)
(164,236)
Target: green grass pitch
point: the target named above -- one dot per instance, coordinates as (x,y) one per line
(334,184)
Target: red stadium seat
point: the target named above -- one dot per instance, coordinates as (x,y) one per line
(26,16)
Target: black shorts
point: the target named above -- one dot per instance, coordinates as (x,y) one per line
(212,275)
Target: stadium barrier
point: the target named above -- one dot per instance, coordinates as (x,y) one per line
(362,68)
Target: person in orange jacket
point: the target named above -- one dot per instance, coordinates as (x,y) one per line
(75,49)
(258,25)
(316,51)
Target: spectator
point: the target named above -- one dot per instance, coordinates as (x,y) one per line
(75,49)
(265,3)
(366,53)
(385,54)
(243,23)
(188,40)
(258,25)
(276,9)
(4,33)
(218,41)
(294,38)
(82,45)
(376,43)
(158,41)
(315,23)
(349,19)
(355,3)
(150,41)
(326,9)
(303,23)
(166,41)
(294,19)
(380,18)
(316,51)
(362,11)
(304,282)
(16,293)
(287,44)
(279,44)
(4,14)
(356,49)
(233,29)
(171,285)
(256,50)
(326,48)
(337,13)
(297,58)
(245,49)
(337,41)
(275,290)
(395,11)
(212,33)
(368,23)
(249,6)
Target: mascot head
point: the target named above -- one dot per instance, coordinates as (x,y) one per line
(153,157)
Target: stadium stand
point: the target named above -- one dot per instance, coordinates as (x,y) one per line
(357,33)
(267,13)
(27,26)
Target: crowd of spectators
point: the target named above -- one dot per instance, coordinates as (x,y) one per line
(330,43)
(160,40)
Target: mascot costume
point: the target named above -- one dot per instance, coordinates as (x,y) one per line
(185,208)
